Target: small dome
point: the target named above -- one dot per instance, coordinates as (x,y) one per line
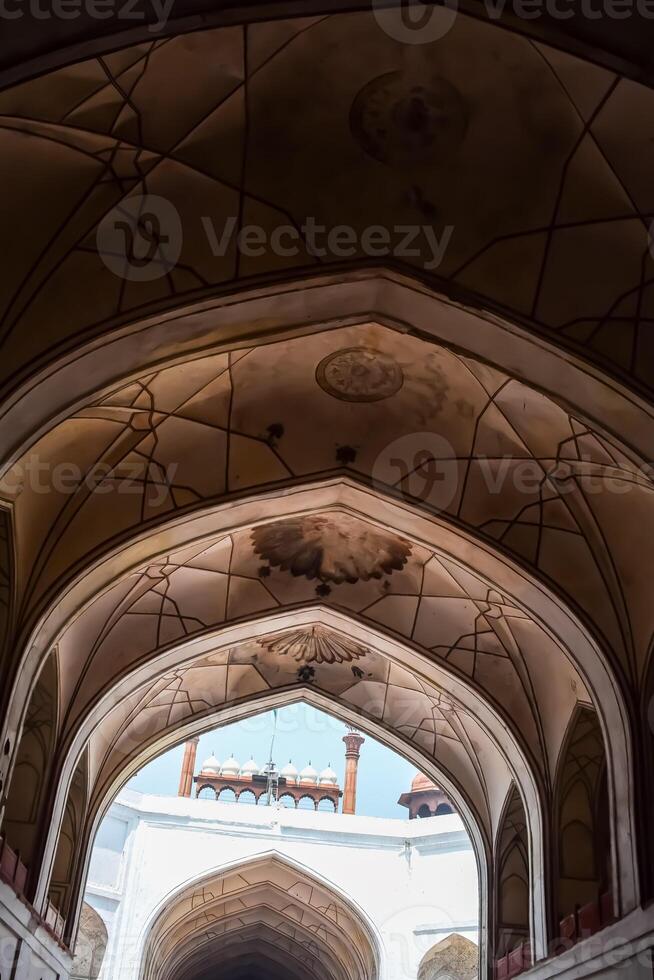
(328,777)
(211,765)
(249,768)
(289,772)
(230,768)
(309,774)
(420,782)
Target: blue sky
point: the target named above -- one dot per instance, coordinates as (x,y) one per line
(304,735)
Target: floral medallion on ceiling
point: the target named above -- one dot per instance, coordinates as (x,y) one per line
(330,547)
(360,374)
(399,118)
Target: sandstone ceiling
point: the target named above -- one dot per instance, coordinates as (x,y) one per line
(544,157)
(31,46)
(467,628)
(432,530)
(407,641)
(343,675)
(439,429)
(354,471)
(223,919)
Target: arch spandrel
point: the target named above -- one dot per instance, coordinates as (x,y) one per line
(569,263)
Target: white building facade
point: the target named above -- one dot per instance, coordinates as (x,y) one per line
(410,883)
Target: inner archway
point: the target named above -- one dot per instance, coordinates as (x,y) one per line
(214,925)
(413,486)
(429,872)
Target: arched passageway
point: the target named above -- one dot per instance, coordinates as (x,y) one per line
(262,914)
(419,493)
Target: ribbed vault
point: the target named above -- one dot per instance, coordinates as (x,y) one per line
(573,260)
(455,515)
(399,590)
(264,915)
(412,491)
(33,50)
(506,462)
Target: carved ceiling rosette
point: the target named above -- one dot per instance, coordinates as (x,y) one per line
(331,548)
(315,645)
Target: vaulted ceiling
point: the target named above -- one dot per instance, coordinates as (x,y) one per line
(410,485)
(622,42)
(538,161)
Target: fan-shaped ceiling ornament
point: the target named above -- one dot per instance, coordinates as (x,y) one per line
(330,547)
(316,645)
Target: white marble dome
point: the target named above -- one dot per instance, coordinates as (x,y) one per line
(309,774)
(211,765)
(328,777)
(289,772)
(250,768)
(230,768)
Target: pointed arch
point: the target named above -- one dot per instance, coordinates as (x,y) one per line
(328,933)
(413,753)
(512,904)
(467,800)
(645,787)
(90,946)
(68,856)
(206,792)
(581,815)
(23,814)
(590,654)
(453,958)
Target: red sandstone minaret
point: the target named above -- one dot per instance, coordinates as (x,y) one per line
(188,768)
(353,742)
